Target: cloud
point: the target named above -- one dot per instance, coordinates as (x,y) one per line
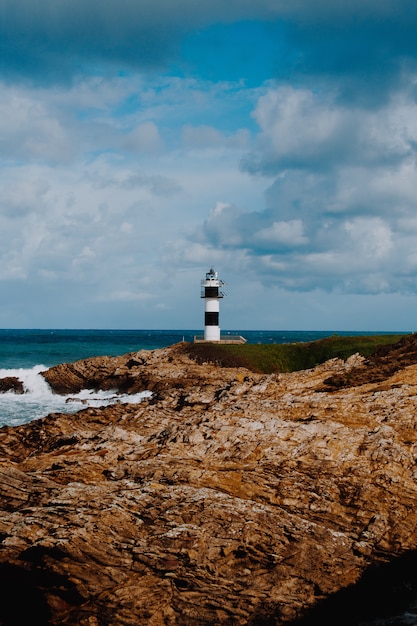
(365,50)
(144,138)
(370,237)
(341,229)
(157,184)
(95,214)
(51,41)
(124,116)
(208,137)
(281,234)
(275,140)
(301,129)
(48,41)
(29,130)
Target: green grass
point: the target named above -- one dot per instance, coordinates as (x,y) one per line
(289,357)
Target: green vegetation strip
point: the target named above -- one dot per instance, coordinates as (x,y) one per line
(288,357)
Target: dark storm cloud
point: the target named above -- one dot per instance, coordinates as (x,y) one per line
(367,58)
(53,39)
(50,40)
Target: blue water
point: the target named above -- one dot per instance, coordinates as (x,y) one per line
(27,348)
(25,353)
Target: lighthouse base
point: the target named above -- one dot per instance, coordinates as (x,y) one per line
(212,333)
(228,339)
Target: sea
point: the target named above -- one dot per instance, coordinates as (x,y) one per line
(25,353)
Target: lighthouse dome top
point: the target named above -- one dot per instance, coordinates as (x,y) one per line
(211,274)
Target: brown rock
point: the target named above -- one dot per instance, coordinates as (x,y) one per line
(383,363)
(11,383)
(227,498)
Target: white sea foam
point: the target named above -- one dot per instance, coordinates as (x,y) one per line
(39,400)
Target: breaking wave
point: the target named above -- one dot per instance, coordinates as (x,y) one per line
(39,400)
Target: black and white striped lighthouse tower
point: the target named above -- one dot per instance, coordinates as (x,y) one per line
(210,291)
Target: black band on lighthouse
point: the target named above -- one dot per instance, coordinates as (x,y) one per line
(211,318)
(211,292)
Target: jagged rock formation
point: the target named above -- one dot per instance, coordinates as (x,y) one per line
(11,383)
(226,498)
(383,363)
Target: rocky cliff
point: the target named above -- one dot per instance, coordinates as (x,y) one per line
(227,498)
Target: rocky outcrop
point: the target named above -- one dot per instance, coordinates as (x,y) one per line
(11,383)
(383,363)
(158,371)
(227,498)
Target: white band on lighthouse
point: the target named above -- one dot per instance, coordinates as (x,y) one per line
(211,294)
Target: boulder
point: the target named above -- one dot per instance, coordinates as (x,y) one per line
(11,383)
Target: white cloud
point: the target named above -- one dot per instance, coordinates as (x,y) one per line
(303,129)
(282,233)
(100,220)
(208,136)
(295,121)
(144,138)
(371,238)
(30,129)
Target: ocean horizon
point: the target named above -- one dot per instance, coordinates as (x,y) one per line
(51,346)
(25,353)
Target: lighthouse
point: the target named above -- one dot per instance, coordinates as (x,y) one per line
(210,291)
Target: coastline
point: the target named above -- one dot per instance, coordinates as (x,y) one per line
(226,497)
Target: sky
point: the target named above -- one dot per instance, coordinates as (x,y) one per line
(143,143)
